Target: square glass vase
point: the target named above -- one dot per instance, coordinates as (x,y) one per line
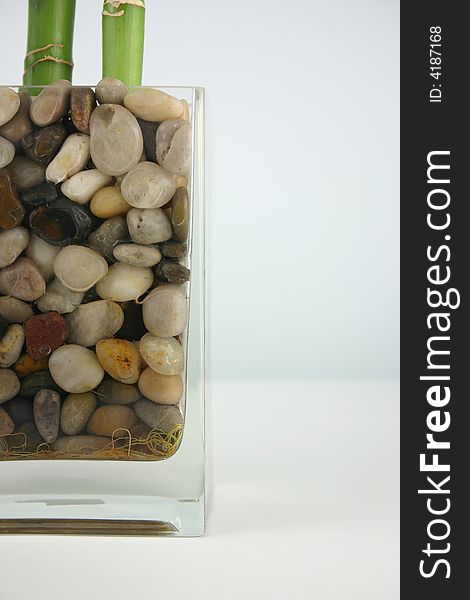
(141,481)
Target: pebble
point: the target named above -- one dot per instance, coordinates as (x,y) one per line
(26,174)
(51,103)
(9,104)
(163,355)
(120,359)
(58,298)
(116,139)
(111,391)
(148,225)
(22,280)
(3,326)
(94,321)
(9,385)
(137,255)
(108,202)
(125,282)
(111,91)
(133,327)
(44,334)
(172,249)
(46,408)
(20,125)
(164,389)
(76,410)
(140,431)
(82,186)
(31,438)
(80,444)
(82,104)
(108,235)
(62,223)
(14,310)
(26,365)
(20,410)
(75,369)
(106,420)
(39,195)
(170,271)
(42,145)
(11,209)
(71,158)
(158,416)
(173,146)
(148,186)
(149,130)
(43,254)
(6,424)
(12,244)
(165,311)
(153,105)
(34,383)
(7,152)
(79,268)
(180,214)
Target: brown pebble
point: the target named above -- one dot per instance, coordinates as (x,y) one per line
(111,419)
(44,334)
(170,271)
(46,409)
(82,104)
(11,209)
(42,145)
(172,249)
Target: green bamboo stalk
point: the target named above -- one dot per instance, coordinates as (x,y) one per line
(50,40)
(123,40)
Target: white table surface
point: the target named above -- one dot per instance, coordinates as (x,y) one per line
(304,504)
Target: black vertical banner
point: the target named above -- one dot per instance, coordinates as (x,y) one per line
(435,300)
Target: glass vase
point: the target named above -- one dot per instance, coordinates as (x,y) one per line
(147,481)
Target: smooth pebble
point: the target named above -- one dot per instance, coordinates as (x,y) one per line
(14,310)
(75,412)
(46,408)
(111,91)
(163,355)
(138,255)
(158,416)
(79,268)
(94,321)
(148,225)
(107,420)
(153,105)
(59,298)
(173,146)
(81,186)
(116,142)
(75,369)
(43,254)
(111,391)
(165,311)
(109,202)
(9,104)
(51,103)
(148,186)
(164,389)
(12,244)
(124,282)
(71,158)
(120,359)
(22,280)
(9,385)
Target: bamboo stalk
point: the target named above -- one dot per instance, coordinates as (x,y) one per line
(50,40)
(123,40)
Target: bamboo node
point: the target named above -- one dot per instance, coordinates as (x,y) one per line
(117,3)
(48,58)
(43,48)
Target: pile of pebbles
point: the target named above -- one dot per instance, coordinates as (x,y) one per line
(94,225)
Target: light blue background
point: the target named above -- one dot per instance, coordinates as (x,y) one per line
(302,172)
